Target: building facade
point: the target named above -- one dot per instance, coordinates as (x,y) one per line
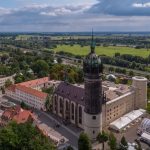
(30,92)
(31,97)
(4,79)
(69,102)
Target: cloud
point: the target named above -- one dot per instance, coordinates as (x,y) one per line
(35,6)
(105,15)
(141,5)
(122,8)
(64,10)
(5,11)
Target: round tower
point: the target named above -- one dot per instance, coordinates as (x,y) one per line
(140,86)
(92,68)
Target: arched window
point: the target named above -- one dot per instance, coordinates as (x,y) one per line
(61,106)
(67,105)
(80,114)
(55,103)
(72,111)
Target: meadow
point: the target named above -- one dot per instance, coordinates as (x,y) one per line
(100,50)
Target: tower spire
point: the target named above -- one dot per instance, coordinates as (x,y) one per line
(92,43)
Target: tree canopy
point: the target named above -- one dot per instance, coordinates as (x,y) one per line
(41,68)
(84,142)
(112,142)
(23,137)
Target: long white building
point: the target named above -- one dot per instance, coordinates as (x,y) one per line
(30,92)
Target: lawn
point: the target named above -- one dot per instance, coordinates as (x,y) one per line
(100,50)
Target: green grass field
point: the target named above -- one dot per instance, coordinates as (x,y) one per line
(23,37)
(100,50)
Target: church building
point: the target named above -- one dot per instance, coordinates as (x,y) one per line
(96,104)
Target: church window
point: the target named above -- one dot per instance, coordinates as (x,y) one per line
(61,106)
(72,110)
(80,114)
(94,117)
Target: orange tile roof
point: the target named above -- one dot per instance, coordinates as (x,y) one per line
(28,90)
(9,113)
(31,91)
(36,82)
(23,116)
(12,88)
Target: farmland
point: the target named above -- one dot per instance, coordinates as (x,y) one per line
(100,50)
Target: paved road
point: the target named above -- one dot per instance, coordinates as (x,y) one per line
(51,122)
(66,132)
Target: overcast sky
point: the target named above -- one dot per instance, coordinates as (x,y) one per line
(74,15)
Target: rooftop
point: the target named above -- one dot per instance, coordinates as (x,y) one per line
(71,92)
(34,83)
(111,89)
(23,116)
(28,90)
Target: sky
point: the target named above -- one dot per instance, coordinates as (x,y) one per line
(74,15)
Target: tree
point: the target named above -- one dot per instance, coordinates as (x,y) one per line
(84,143)
(48,103)
(112,142)
(23,137)
(70,148)
(19,78)
(24,106)
(111,69)
(131,73)
(123,144)
(102,138)
(41,68)
(59,60)
(8,83)
(117,54)
(4,57)
(138,146)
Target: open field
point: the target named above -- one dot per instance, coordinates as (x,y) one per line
(100,50)
(23,37)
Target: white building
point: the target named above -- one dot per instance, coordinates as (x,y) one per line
(4,79)
(30,92)
(31,97)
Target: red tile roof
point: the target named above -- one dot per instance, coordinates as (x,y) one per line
(28,90)
(12,88)
(31,91)
(36,82)
(23,116)
(9,113)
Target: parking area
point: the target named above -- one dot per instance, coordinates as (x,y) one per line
(131,134)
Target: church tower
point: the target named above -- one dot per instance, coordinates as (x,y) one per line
(92,68)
